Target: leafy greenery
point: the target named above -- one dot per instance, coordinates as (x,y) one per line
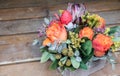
(114,29)
(54,65)
(75,63)
(86,47)
(83,65)
(45,57)
(87,58)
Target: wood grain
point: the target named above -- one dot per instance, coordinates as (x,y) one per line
(28,69)
(37,69)
(20,26)
(18,47)
(92,6)
(32,25)
(30,3)
(23,13)
(43,11)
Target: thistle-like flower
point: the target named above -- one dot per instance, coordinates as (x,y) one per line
(77,10)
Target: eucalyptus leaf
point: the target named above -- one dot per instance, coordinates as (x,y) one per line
(53,46)
(61,47)
(78,59)
(52,57)
(68,41)
(46,20)
(77,53)
(64,58)
(45,57)
(70,26)
(35,42)
(74,62)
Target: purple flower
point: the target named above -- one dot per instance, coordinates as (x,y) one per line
(101,30)
(77,10)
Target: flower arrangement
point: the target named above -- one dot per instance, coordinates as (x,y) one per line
(75,38)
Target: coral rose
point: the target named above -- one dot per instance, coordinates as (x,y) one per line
(55,32)
(101,44)
(86,32)
(66,17)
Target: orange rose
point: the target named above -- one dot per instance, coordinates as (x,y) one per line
(101,44)
(99,53)
(86,32)
(46,41)
(55,32)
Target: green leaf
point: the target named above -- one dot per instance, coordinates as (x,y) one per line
(45,57)
(114,29)
(64,59)
(83,65)
(54,65)
(87,58)
(74,62)
(42,49)
(52,57)
(87,47)
(116,39)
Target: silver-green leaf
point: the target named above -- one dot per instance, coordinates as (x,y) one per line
(45,57)
(75,63)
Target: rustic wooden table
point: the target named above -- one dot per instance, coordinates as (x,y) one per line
(19,22)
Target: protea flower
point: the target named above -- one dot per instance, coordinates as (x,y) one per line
(77,10)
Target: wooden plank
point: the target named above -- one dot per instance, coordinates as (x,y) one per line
(20,26)
(37,69)
(30,69)
(18,47)
(23,13)
(31,3)
(32,25)
(42,11)
(107,71)
(92,6)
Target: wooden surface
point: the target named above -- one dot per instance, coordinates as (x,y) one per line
(21,19)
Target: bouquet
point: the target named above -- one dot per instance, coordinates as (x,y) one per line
(74,38)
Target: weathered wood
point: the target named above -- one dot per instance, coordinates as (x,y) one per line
(31,3)
(28,69)
(18,47)
(42,11)
(37,69)
(20,26)
(23,13)
(107,71)
(32,25)
(92,6)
